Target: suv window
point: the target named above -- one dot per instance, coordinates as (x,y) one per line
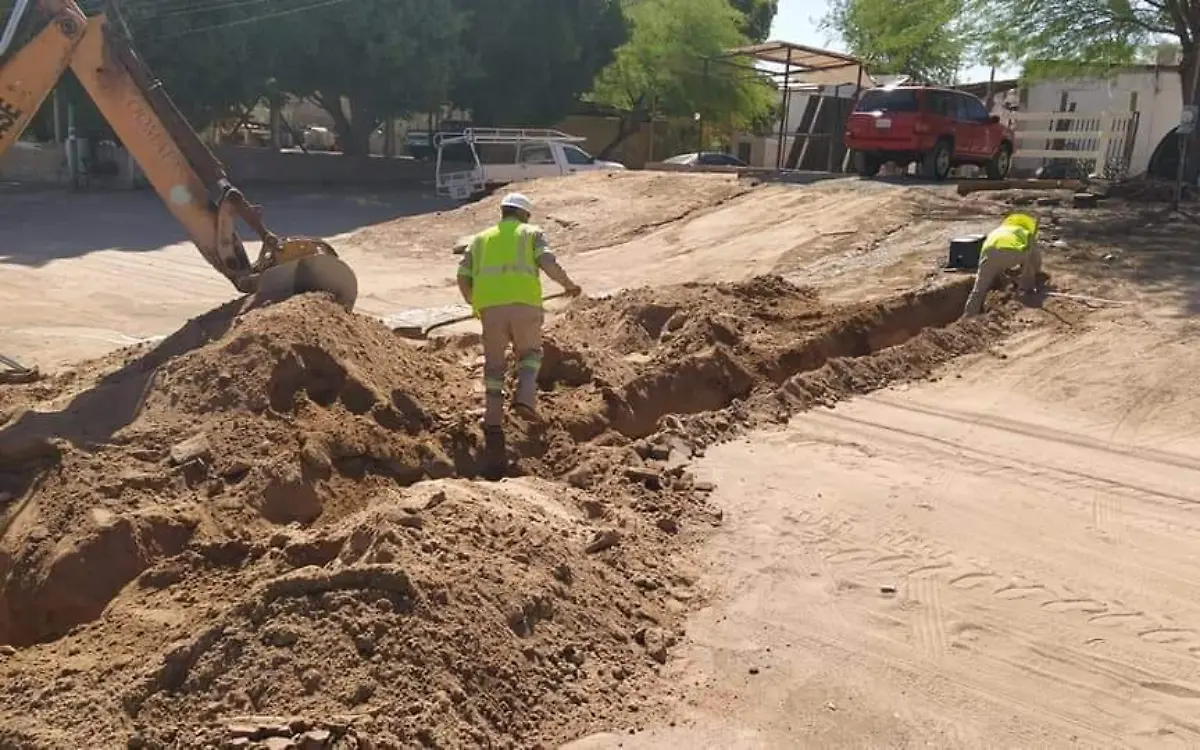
(888,100)
(970,109)
(942,104)
(576,155)
(536,153)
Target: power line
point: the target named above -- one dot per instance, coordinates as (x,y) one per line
(218,6)
(254,19)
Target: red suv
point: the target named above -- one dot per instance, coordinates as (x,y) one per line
(937,128)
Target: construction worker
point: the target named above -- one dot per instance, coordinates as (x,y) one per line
(500,277)
(1013,243)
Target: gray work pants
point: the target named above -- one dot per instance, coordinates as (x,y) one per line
(996,262)
(520,326)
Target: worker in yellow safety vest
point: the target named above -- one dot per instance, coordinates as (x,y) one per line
(500,277)
(1012,244)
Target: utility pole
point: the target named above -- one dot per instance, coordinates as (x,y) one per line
(1184,132)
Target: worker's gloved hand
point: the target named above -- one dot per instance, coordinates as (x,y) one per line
(574,290)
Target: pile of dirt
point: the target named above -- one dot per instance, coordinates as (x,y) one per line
(264,525)
(587,211)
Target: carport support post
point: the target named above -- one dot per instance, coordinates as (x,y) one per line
(787,89)
(853,106)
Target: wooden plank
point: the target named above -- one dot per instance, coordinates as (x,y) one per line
(1054,154)
(1074,135)
(973,186)
(1051,116)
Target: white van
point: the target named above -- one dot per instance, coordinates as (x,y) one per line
(484,158)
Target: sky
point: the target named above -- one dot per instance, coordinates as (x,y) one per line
(798,21)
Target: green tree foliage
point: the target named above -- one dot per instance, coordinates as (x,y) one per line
(926,39)
(1073,36)
(366,60)
(206,55)
(526,62)
(760,14)
(662,67)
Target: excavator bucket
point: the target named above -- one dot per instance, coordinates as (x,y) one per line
(316,273)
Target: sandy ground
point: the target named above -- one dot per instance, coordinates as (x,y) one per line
(118,270)
(999,558)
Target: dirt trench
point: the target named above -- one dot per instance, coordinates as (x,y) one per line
(242,451)
(317,420)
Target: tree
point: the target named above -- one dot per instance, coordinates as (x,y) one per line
(663,68)
(760,14)
(1067,37)
(1093,34)
(209,61)
(926,39)
(528,61)
(367,60)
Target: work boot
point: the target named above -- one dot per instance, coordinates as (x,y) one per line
(528,411)
(495,454)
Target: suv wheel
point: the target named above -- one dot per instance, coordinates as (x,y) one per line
(936,164)
(867,164)
(997,168)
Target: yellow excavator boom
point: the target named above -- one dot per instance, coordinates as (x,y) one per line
(181,169)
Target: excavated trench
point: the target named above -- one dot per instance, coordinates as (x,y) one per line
(327,432)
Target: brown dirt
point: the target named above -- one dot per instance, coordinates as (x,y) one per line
(585,212)
(272,515)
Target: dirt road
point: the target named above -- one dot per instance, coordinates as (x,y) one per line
(85,275)
(1003,558)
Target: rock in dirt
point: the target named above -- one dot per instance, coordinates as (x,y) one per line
(192,449)
(314,739)
(651,478)
(602,541)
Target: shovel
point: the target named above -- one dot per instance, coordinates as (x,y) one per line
(422,332)
(17,373)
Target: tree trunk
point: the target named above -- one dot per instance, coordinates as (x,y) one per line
(1189,75)
(332,104)
(363,122)
(627,126)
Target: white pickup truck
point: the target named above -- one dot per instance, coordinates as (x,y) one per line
(481,159)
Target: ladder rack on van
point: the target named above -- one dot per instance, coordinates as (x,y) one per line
(506,135)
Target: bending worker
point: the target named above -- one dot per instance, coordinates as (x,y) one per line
(1013,243)
(500,277)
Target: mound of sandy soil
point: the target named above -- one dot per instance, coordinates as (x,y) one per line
(586,211)
(265,526)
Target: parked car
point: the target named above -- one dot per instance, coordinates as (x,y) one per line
(937,128)
(484,158)
(707,159)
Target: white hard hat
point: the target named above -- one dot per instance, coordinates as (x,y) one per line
(517,201)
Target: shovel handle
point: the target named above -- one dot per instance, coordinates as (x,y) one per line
(465,318)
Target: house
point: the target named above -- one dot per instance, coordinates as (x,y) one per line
(1136,105)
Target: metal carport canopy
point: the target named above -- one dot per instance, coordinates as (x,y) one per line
(794,55)
(816,65)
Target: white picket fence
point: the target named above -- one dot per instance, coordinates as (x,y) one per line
(1100,143)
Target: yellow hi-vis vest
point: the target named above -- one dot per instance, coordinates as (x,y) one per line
(1006,239)
(504,267)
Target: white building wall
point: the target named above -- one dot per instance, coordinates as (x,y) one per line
(1154,92)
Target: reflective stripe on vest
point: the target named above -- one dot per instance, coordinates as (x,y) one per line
(1007,239)
(504,268)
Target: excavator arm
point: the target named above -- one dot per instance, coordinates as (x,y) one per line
(182,170)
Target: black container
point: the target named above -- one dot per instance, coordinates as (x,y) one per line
(964,252)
